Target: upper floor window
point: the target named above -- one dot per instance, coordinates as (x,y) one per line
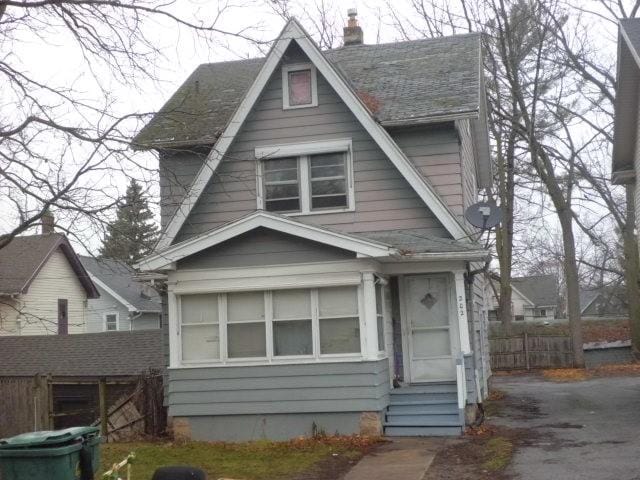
(309,183)
(299,86)
(110,322)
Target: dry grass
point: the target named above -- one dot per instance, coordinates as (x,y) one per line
(566,374)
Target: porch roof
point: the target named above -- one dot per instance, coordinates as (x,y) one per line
(398,244)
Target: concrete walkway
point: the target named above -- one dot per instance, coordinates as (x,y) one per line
(579,431)
(401,458)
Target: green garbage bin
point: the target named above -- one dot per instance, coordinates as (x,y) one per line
(70,454)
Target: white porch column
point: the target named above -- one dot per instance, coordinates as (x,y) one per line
(370,321)
(174,330)
(461,309)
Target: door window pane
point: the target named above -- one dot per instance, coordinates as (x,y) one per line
(199,308)
(339,335)
(246,340)
(429,301)
(431,343)
(200,342)
(300,87)
(292,337)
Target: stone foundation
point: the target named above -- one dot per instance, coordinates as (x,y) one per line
(370,424)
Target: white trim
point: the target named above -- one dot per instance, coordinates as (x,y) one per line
(302,151)
(164,259)
(461,309)
(303,148)
(370,331)
(106,288)
(293,30)
(104,320)
(296,67)
(176,325)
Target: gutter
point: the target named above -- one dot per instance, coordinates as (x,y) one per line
(445,117)
(469,255)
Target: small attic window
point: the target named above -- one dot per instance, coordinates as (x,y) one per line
(299,86)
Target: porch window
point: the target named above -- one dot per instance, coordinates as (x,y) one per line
(270,325)
(200,331)
(339,321)
(246,335)
(292,323)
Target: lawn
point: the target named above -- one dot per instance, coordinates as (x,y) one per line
(262,460)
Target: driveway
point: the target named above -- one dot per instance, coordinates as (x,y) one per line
(580,430)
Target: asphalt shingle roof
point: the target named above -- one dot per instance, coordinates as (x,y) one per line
(82,355)
(542,290)
(409,82)
(413,242)
(119,277)
(24,256)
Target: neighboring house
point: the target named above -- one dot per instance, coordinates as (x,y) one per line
(609,302)
(43,287)
(626,141)
(124,303)
(533,299)
(321,251)
(74,364)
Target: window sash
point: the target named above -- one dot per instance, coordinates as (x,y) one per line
(337,197)
(270,323)
(111,323)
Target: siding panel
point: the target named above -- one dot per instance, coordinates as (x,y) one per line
(272,389)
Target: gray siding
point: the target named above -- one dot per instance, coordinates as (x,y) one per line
(263,247)
(105,304)
(469,174)
(384,200)
(435,151)
(279,389)
(146,321)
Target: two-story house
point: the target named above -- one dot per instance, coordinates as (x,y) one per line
(626,141)
(44,288)
(320,271)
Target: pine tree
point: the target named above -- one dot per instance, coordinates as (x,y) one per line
(133,233)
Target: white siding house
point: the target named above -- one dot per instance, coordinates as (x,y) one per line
(43,288)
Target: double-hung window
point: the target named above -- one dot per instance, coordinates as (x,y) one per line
(319,181)
(299,86)
(111,322)
(270,325)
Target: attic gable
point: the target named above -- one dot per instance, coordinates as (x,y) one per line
(293,32)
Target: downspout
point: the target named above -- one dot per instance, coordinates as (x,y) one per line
(132,318)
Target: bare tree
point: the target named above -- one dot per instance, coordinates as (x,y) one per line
(65,148)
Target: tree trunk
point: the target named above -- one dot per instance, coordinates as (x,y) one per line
(573,285)
(631,265)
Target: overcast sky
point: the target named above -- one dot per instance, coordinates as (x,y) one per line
(56,60)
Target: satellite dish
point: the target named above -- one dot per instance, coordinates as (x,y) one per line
(483,215)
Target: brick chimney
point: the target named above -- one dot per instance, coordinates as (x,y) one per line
(352,32)
(48,222)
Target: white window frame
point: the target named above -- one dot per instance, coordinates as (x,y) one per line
(303,151)
(104,319)
(315,357)
(295,67)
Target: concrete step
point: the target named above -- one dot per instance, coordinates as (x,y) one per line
(437,397)
(416,431)
(426,419)
(423,408)
(437,387)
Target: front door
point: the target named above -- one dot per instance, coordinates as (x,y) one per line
(427,328)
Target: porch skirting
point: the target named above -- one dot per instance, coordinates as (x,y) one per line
(278,401)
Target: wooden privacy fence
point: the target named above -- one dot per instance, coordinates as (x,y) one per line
(124,408)
(526,352)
